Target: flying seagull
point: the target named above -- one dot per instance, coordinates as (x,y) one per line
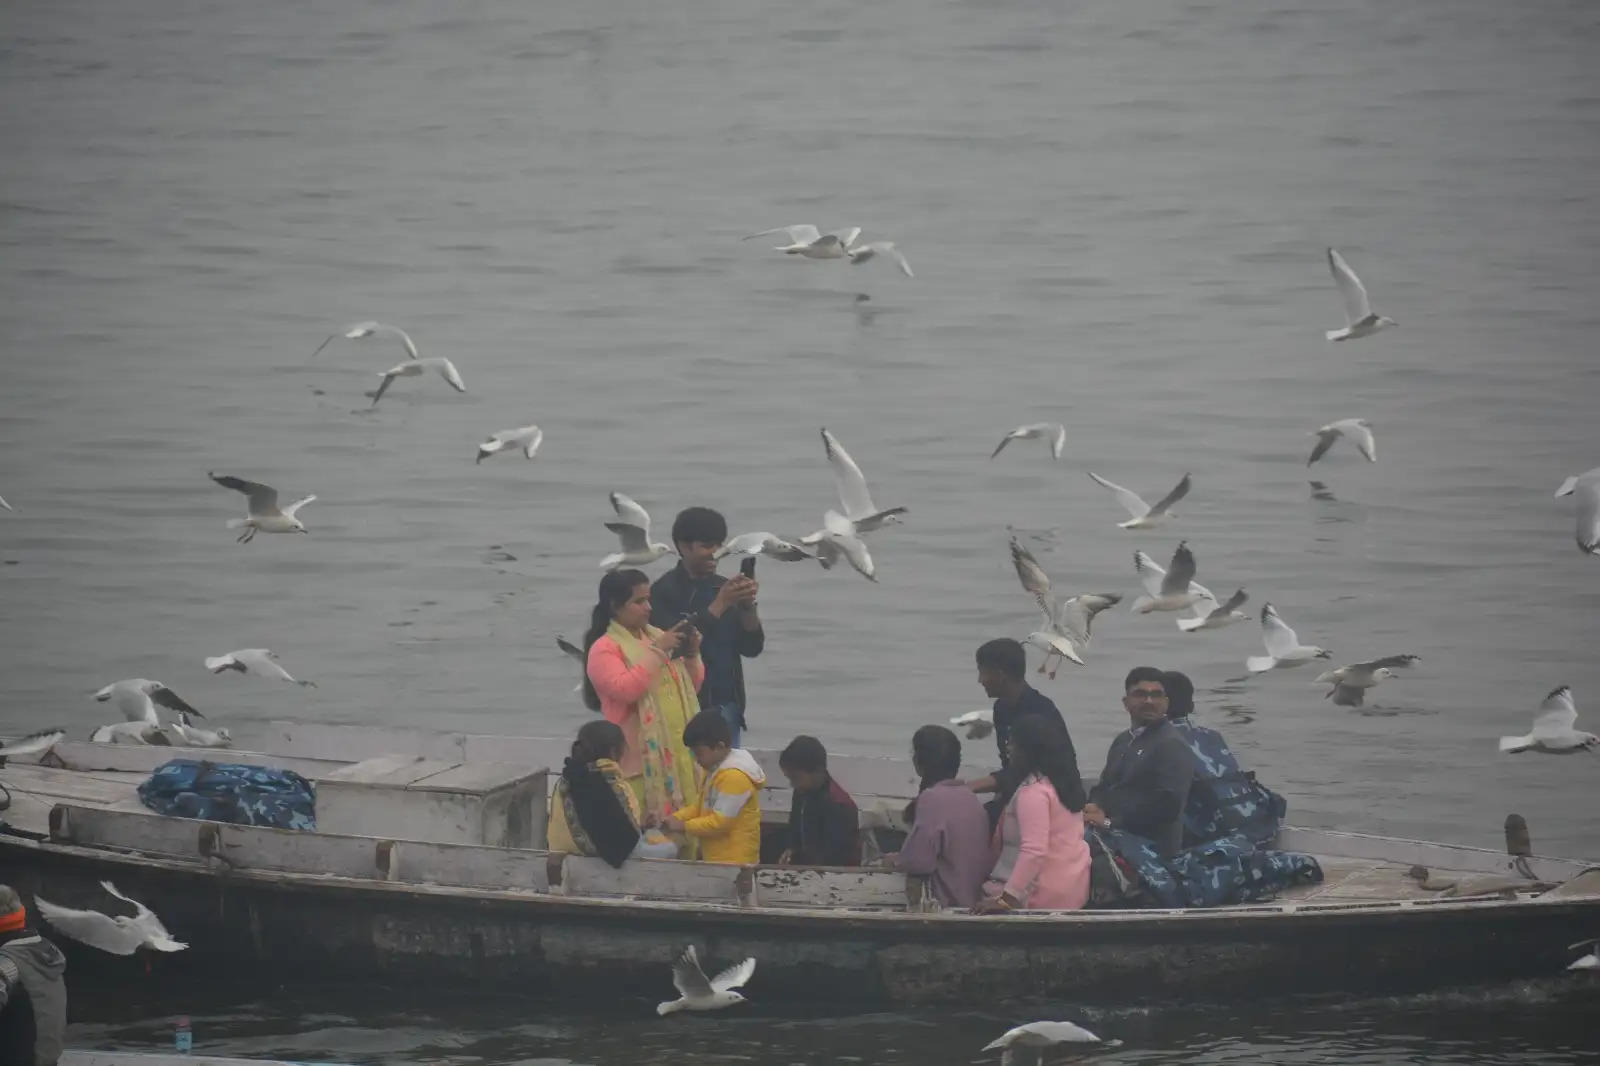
(1172,589)
(1359,430)
(1284,649)
(1053,432)
(413,368)
(1036,1036)
(855,502)
(1586,487)
(1067,620)
(841,537)
(260,661)
(865,253)
(1554,728)
(1145,516)
(362,330)
(1208,614)
(118,935)
(1362,321)
(695,992)
(768,544)
(1590,961)
(137,697)
(263,515)
(1350,683)
(32,744)
(195,737)
(806,240)
(528,438)
(632,527)
(978,723)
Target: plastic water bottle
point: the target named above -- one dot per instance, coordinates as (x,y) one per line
(183,1041)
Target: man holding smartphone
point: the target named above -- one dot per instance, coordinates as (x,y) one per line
(722,609)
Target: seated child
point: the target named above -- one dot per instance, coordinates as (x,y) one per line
(824,827)
(726,818)
(593,811)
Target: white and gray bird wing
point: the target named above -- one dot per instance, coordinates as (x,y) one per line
(446,370)
(688,978)
(1586,489)
(847,236)
(1236,601)
(848,479)
(1388,662)
(289,511)
(169,699)
(1360,432)
(1075,615)
(1130,500)
(43,740)
(1558,714)
(1034,580)
(91,927)
(1275,633)
(734,976)
(1180,572)
(1356,305)
(842,535)
(262,500)
(1179,491)
(1150,572)
(146,923)
(570,648)
(804,233)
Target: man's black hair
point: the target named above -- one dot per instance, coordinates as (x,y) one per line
(1144,673)
(707,729)
(1006,656)
(806,754)
(699,525)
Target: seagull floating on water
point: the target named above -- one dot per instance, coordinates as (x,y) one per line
(695,992)
(1052,432)
(263,515)
(1036,1036)
(1284,649)
(1209,614)
(362,330)
(978,723)
(1362,320)
(768,544)
(1145,516)
(137,697)
(1350,683)
(632,527)
(1172,589)
(806,240)
(1359,430)
(119,935)
(865,253)
(262,662)
(1067,620)
(414,368)
(1555,729)
(528,438)
(195,737)
(1586,487)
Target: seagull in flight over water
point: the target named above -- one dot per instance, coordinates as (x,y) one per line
(262,513)
(1362,320)
(1359,430)
(1144,515)
(1054,433)
(362,330)
(697,992)
(632,527)
(1586,488)
(118,935)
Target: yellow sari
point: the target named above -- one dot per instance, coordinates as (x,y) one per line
(670,777)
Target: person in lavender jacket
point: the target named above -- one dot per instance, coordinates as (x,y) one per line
(1041,859)
(949,838)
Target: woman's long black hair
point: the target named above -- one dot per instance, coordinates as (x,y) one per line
(1040,746)
(616,589)
(597,739)
(936,753)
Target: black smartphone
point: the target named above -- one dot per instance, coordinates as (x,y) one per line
(748,566)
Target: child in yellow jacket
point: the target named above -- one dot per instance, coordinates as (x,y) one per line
(726,819)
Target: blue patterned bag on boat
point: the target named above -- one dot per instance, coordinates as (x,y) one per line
(231,792)
(1214,874)
(1224,798)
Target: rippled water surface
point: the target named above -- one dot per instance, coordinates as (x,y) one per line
(1116,213)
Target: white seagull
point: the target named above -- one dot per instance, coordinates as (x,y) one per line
(1036,1036)
(1554,728)
(865,253)
(855,502)
(413,368)
(1209,614)
(1590,961)
(1145,516)
(1586,487)
(528,438)
(806,240)
(768,544)
(841,537)
(118,935)
(362,330)
(978,723)
(32,744)
(695,992)
(1362,321)
(1350,683)
(632,527)
(1067,621)
(130,733)
(1284,649)
(262,662)
(263,515)
(1359,430)
(1053,432)
(1172,589)
(137,697)
(195,737)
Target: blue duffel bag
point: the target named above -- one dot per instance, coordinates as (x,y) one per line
(231,792)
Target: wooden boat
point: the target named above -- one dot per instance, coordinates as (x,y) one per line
(265,905)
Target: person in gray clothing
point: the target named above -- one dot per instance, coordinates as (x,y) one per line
(33,996)
(1148,771)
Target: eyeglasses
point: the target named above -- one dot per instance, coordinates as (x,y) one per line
(1145,695)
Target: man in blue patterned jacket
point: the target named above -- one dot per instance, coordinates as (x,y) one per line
(1224,799)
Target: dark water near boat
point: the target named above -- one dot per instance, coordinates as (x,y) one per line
(1116,212)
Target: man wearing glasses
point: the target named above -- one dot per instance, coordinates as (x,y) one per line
(1148,770)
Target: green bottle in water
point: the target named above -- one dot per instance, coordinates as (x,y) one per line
(183,1041)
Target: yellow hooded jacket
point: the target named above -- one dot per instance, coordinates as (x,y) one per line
(727,817)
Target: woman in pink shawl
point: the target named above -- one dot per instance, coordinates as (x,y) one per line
(1041,859)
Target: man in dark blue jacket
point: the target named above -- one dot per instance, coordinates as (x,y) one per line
(722,609)
(1149,769)
(1003,673)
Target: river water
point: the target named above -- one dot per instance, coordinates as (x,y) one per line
(1116,213)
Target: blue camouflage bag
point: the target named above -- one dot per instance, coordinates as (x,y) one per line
(1218,873)
(1225,799)
(231,792)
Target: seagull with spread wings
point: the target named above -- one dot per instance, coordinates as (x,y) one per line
(1361,320)
(697,992)
(137,698)
(1350,683)
(1209,614)
(527,438)
(262,513)
(806,240)
(1067,620)
(1172,589)
(119,935)
(263,662)
(769,544)
(1555,729)
(865,253)
(1358,430)
(363,330)
(632,527)
(1144,515)
(1586,488)
(1052,433)
(1284,649)
(415,368)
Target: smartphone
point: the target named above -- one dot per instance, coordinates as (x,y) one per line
(748,566)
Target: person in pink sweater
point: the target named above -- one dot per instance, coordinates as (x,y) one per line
(644,679)
(1041,859)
